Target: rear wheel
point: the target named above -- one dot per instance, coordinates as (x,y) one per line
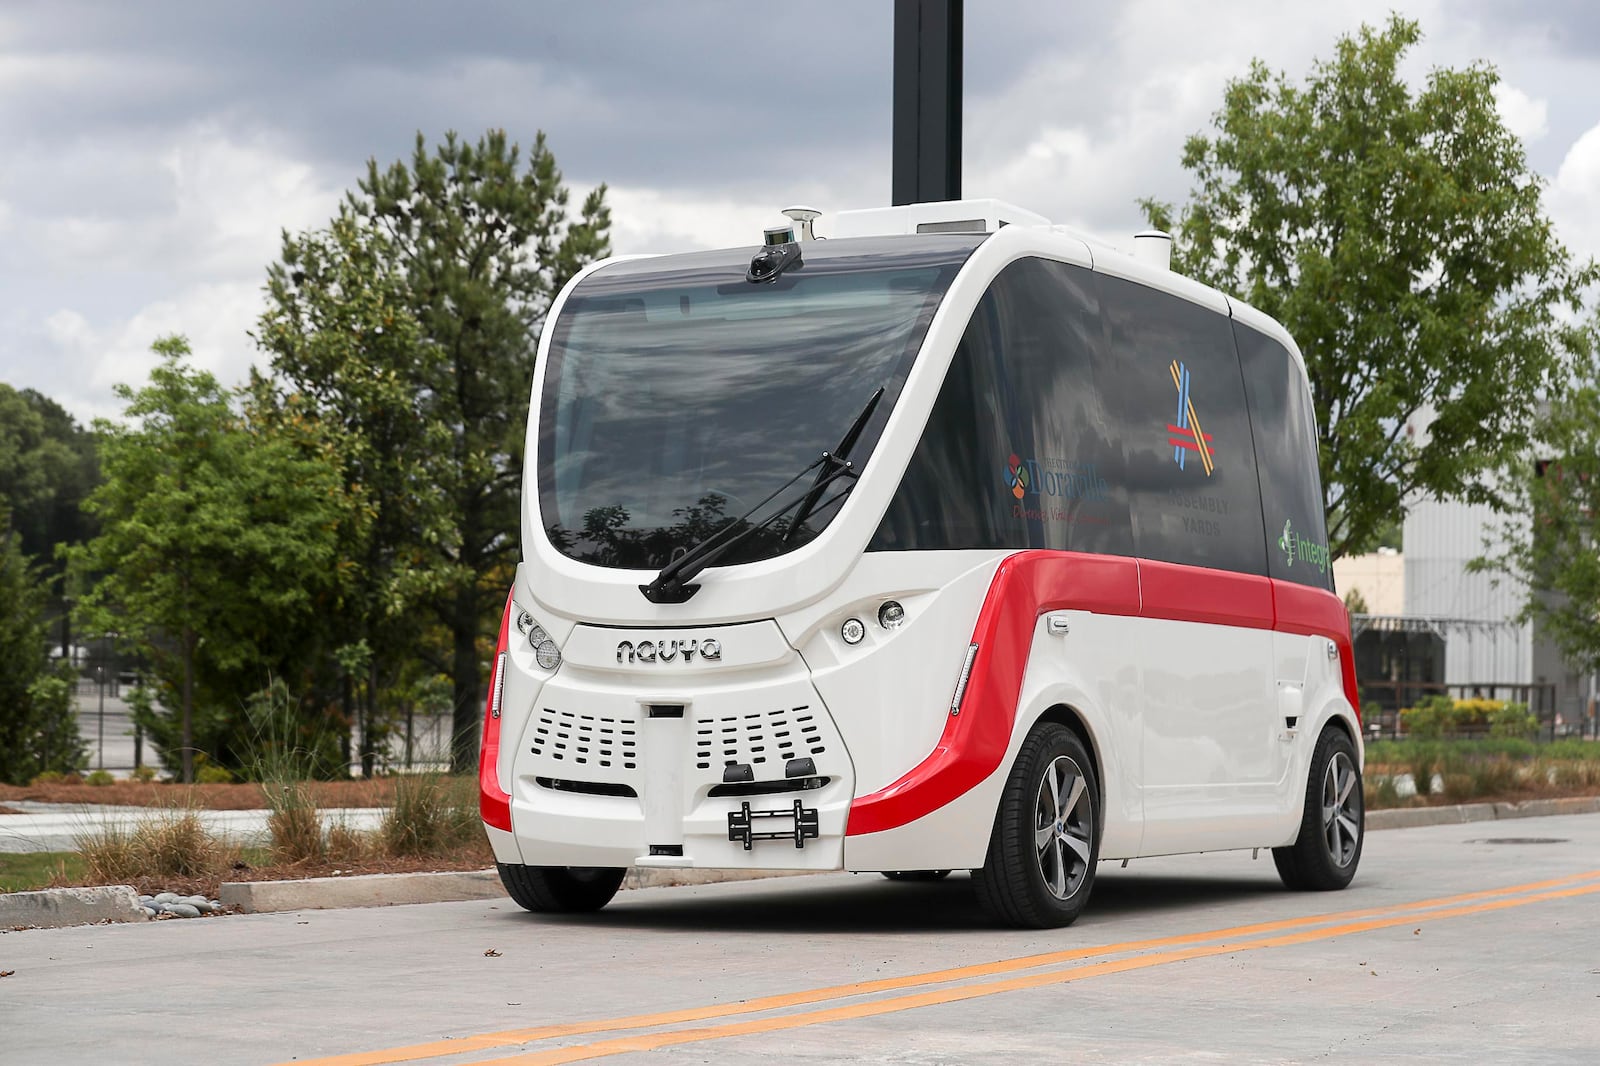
(1333,822)
(916,875)
(552,889)
(1046,839)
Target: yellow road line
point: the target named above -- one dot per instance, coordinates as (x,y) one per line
(510,1037)
(655,1041)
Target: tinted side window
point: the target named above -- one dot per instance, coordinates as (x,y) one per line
(1013,455)
(1286,452)
(1179,435)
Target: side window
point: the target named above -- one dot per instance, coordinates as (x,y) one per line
(1286,450)
(1179,436)
(1013,455)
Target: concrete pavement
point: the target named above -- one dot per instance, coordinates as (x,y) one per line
(1457,943)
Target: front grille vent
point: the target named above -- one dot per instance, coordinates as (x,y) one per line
(769,738)
(586,739)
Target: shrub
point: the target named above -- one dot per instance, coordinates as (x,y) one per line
(1436,717)
(174,844)
(58,777)
(1430,719)
(432,813)
(1512,720)
(214,775)
(100,778)
(144,774)
(293,823)
(346,844)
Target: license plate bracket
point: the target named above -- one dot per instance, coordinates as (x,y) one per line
(804,825)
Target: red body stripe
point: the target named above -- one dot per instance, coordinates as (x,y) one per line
(1032,583)
(494,804)
(1317,613)
(1196,594)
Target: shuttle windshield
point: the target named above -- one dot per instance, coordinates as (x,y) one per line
(678,395)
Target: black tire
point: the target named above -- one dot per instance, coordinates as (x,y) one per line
(1332,823)
(916,875)
(554,889)
(1033,886)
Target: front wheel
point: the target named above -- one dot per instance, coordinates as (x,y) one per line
(1333,822)
(555,889)
(1046,838)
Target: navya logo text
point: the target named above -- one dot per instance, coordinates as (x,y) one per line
(1055,477)
(666,651)
(1188,436)
(1294,546)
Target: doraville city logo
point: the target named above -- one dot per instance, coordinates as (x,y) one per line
(666,651)
(1055,477)
(1017,477)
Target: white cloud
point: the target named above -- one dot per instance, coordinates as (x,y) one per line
(1574,196)
(1523,115)
(87,360)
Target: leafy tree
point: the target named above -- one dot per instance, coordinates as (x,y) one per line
(1400,238)
(481,240)
(38,727)
(216,542)
(47,467)
(1552,548)
(347,353)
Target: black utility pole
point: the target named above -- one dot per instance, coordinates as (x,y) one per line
(927,101)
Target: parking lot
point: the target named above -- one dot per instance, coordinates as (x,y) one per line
(1461,943)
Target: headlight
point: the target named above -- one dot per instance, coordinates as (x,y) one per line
(545,651)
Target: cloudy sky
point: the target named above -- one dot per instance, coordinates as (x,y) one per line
(151,153)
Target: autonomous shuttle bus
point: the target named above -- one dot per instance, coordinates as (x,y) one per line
(955,541)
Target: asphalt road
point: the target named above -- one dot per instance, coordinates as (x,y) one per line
(1465,943)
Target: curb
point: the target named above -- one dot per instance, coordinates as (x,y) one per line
(1416,817)
(385,890)
(55,908)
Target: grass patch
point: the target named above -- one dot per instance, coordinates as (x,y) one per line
(1492,768)
(171,848)
(432,814)
(29,871)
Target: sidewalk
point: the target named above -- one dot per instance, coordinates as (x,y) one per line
(55,826)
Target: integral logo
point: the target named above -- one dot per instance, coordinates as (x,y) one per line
(1017,477)
(666,651)
(1187,436)
(1294,546)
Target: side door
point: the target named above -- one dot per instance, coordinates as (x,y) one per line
(1211,768)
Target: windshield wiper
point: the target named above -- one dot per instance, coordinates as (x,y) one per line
(840,454)
(671,584)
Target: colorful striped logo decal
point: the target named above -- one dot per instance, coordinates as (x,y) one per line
(1187,436)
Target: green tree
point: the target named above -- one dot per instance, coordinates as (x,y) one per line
(1400,238)
(1552,546)
(47,468)
(482,240)
(347,353)
(216,543)
(38,727)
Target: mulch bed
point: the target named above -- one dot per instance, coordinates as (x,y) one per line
(243,796)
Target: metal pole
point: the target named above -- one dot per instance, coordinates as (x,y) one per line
(927,101)
(100,760)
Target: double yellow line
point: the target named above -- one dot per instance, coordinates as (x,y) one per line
(961,982)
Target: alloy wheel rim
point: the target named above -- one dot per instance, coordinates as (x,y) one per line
(1341,810)
(1063,827)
